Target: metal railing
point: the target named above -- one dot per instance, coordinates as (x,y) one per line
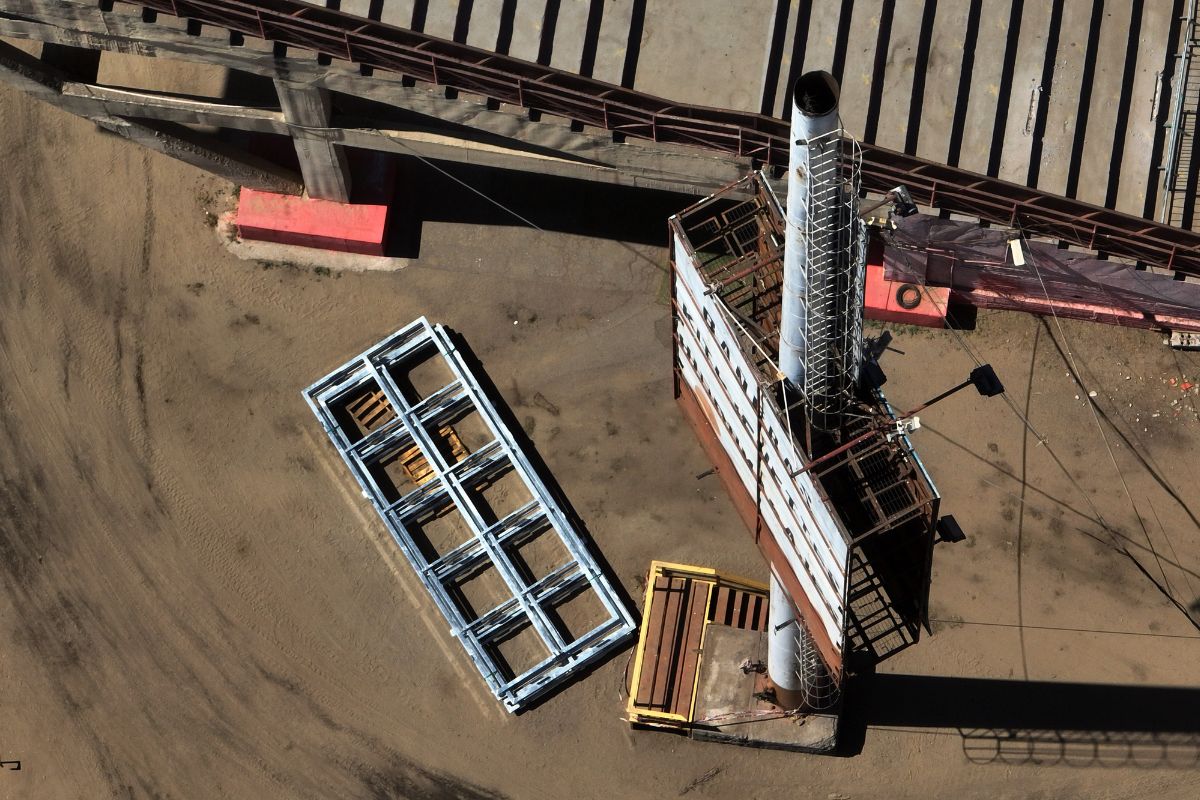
(1185,93)
(835,259)
(338,35)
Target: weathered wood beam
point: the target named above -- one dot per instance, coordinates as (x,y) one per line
(23,71)
(584,155)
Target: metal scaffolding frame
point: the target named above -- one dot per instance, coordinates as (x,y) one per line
(449,485)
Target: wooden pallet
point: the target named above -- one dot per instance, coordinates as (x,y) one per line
(738,608)
(371,410)
(415,465)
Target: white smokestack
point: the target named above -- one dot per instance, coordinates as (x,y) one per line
(821,318)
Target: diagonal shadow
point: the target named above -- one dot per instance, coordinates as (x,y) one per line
(633,48)
(886,14)
(774,58)
(1125,101)
(1004,93)
(1134,447)
(920,68)
(965,73)
(1087,82)
(1043,99)
(1056,501)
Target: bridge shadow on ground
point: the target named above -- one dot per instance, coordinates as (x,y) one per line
(1033,722)
(433,191)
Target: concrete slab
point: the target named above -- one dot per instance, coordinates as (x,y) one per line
(357,7)
(1061,98)
(1133,185)
(1104,107)
(986,76)
(570,33)
(777,92)
(361,8)
(397,12)
(821,41)
(440,18)
(1026,89)
(613,42)
(483,26)
(891,127)
(859,72)
(939,100)
(527,29)
(669,68)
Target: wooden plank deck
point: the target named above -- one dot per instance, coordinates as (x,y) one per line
(676,618)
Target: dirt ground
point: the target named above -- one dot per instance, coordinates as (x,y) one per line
(198,604)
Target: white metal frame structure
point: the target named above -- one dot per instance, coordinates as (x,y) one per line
(726,254)
(751,430)
(450,486)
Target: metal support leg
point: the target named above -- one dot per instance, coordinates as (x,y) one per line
(323,163)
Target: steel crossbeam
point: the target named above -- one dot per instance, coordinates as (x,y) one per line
(335,34)
(450,486)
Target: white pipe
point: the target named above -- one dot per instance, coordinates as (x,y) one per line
(814,113)
(783,646)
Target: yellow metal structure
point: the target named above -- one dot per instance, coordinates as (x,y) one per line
(699,579)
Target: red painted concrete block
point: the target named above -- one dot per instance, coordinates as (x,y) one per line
(302,221)
(906,303)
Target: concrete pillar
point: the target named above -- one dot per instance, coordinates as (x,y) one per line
(322,163)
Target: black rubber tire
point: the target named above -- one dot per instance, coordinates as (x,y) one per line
(908,296)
